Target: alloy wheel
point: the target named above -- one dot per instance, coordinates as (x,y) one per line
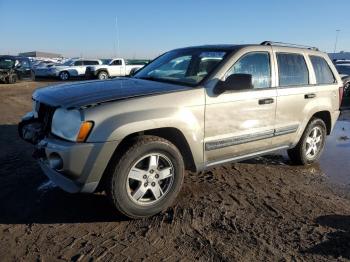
(150,179)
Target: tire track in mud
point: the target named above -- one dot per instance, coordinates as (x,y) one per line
(262,209)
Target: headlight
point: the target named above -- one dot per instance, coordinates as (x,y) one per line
(67,124)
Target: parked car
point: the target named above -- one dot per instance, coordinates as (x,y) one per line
(72,68)
(112,68)
(135,137)
(13,68)
(42,69)
(343,68)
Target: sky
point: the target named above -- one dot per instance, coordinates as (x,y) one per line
(145,29)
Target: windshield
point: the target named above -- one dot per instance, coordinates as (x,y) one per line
(6,63)
(106,61)
(68,62)
(187,66)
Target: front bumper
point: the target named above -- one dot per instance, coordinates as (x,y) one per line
(82,164)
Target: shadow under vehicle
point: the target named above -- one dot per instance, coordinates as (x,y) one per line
(14,68)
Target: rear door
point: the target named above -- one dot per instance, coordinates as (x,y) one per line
(296,94)
(77,68)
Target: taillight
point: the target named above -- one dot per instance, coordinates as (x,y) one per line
(341,93)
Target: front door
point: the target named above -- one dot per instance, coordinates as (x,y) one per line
(115,68)
(241,122)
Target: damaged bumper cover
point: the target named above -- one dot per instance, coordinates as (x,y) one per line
(74,167)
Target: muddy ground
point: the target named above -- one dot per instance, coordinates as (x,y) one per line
(262,209)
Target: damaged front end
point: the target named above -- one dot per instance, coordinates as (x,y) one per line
(36,125)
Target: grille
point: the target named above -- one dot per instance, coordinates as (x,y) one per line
(45,115)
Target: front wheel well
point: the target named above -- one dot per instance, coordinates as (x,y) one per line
(325,116)
(173,135)
(102,70)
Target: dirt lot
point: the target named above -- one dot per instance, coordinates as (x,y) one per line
(263,209)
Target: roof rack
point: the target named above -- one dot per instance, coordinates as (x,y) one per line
(288,44)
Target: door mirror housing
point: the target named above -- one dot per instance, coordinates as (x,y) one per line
(235,82)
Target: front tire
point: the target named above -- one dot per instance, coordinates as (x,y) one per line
(12,79)
(311,144)
(147,178)
(103,75)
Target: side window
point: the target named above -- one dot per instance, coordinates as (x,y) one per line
(256,64)
(78,63)
(24,63)
(323,73)
(117,62)
(89,62)
(292,70)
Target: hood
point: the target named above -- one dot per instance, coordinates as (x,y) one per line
(86,93)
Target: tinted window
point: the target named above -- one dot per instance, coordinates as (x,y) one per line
(24,63)
(343,69)
(117,62)
(323,73)
(292,70)
(78,63)
(89,62)
(255,64)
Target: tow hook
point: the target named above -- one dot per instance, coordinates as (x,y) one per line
(39,151)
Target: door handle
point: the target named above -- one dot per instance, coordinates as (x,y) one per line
(309,96)
(266,101)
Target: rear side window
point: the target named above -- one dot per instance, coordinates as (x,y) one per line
(256,64)
(323,73)
(78,63)
(292,70)
(88,62)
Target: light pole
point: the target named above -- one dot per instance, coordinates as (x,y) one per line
(336,40)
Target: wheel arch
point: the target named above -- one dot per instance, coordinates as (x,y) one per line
(171,134)
(102,70)
(325,116)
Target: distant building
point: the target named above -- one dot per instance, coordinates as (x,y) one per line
(40,54)
(340,56)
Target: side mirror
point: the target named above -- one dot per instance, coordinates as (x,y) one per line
(234,82)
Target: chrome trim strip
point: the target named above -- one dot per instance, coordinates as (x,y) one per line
(286,130)
(231,141)
(243,157)
(237,140)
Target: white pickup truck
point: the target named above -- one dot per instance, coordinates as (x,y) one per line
(112,68)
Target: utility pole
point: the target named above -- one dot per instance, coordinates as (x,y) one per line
(336,40)
(117,35)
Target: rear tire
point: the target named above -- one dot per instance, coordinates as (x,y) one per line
(311,144)
(147,178)
(64,76)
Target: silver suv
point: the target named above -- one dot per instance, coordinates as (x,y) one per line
(189,109)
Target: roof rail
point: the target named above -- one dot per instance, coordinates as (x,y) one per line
(288,44)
